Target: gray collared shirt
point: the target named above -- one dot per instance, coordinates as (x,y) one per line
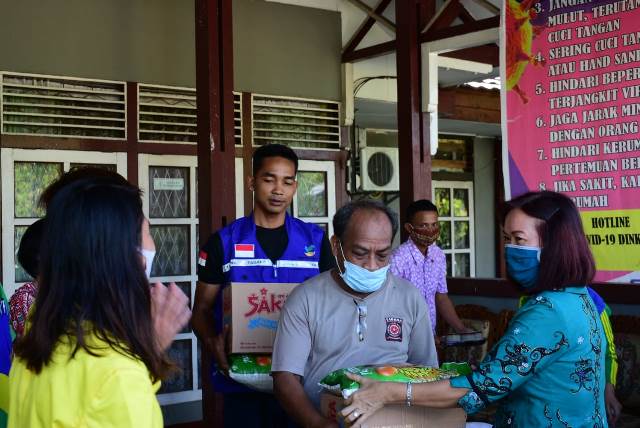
(322,329)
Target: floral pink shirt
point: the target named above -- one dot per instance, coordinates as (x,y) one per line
(428,274)
(19,306)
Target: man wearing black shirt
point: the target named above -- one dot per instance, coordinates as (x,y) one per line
(267,246)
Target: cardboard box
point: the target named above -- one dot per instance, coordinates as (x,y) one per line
(397,416)
(253,310)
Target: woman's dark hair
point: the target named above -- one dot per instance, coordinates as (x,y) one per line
(77,173)
(343,215)
(419,206)
(92,280)
(29,250)
(272,151)
(565,259)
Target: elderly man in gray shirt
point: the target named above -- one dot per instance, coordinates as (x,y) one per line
(357,314)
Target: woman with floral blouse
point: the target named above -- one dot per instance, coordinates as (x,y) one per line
(29,258)
(549,367)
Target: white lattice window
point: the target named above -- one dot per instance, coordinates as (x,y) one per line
(168,114)
(315,199)
(62,107)
(170,204)
(25,174)
(454,200)
(296,122)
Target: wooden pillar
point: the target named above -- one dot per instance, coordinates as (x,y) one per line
(132,133)
(216,151)
(413,140)
(247,150)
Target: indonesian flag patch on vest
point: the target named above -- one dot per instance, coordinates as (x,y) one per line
(202,258)
(244,250)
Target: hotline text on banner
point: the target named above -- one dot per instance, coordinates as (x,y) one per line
(570,72)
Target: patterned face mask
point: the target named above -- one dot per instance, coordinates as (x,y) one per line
(426,236)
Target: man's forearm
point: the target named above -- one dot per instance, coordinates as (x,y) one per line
(202,319)
(445,307)
(294,400)
(438,394)
(202,323)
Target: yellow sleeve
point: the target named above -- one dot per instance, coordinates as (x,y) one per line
(611,358)
(127,399)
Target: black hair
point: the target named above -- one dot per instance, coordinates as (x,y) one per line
(343,215)
(419,206)
(29,250)
(272,151)
(78,173)
(566,258)
(92,279)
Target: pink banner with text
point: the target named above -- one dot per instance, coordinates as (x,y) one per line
(571,113)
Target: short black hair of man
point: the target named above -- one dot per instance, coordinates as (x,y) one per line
(343,215)
(29,250)
(419,206)
(272,151)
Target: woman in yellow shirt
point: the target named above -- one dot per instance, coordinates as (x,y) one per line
(94,352)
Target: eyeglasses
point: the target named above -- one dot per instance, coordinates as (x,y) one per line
(361,328)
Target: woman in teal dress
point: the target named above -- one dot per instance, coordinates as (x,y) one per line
(548,368)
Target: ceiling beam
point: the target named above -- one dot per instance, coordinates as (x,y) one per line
(489,54)
(488,6)
(445,17)
(382,20)
(477,67)
(429,36)
(370,52)
(426,11)
(364,28)
(465,16)
(460,30)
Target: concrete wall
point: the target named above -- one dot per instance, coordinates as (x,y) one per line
(287,50)
(278,49)
(484,205)
(149,41)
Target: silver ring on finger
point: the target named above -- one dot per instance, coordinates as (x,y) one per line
(356,415)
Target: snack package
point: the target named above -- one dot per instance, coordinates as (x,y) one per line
(338,383)
(462,369)
(252,371)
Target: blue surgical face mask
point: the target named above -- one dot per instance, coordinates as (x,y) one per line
(360,279)
(523,264)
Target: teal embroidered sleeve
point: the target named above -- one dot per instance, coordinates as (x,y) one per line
(535,339)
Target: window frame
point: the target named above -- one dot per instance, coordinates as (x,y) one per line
(9,221)
(451,218)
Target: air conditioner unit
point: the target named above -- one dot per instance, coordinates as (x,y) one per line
(380,169)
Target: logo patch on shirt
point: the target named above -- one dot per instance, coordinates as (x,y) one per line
(394,329)
(309,250)
(244,250)
(202,258)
